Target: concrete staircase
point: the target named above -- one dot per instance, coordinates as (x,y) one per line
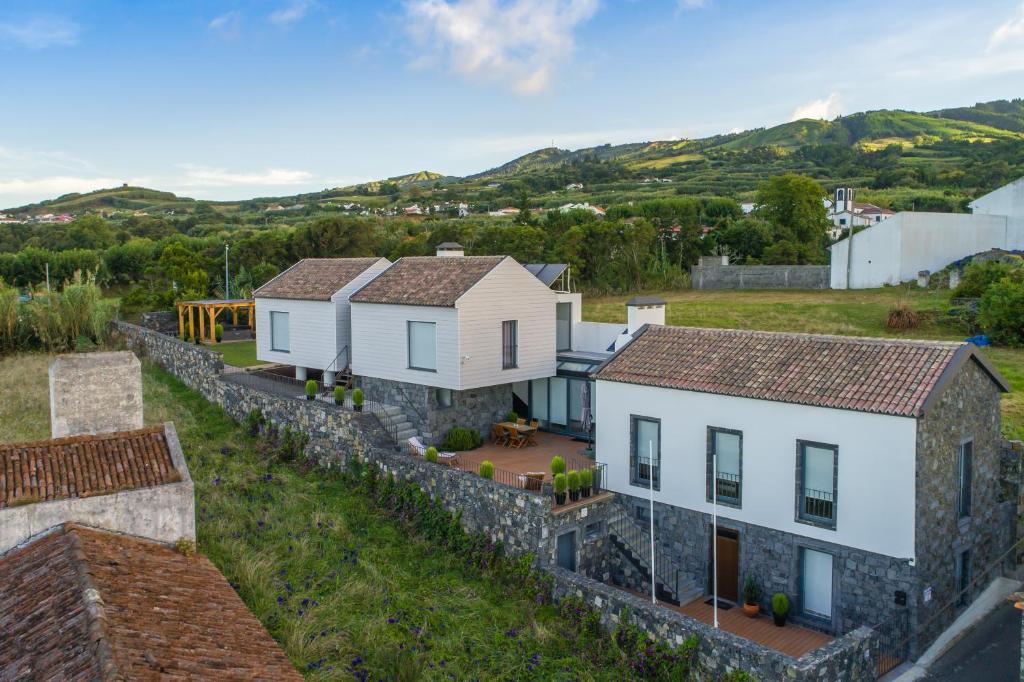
(671,583)
(395,421)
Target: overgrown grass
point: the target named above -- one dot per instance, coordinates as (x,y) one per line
(238,353)
(24,397)
(860,312)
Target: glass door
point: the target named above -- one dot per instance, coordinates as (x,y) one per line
(558,401)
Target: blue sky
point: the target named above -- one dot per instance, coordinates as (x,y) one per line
(232,99)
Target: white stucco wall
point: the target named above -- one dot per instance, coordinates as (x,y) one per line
(596,337)
(380,343)
(312,331)
(896,249)
(1008,200)
(876,460)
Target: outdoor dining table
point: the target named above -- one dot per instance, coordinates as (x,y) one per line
(524,430)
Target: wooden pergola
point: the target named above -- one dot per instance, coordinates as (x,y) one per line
(207,311)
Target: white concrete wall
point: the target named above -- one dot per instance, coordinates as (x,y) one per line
(380,343)
(343,309)
(312,332)
(875,500)
(596,337)
(1008,200)
(508,292)
(896,249)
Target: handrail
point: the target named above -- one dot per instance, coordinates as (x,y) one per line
(666,571)
(334,362)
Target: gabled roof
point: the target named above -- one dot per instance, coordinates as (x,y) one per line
(86,604)
(83,466)
(546,272)
(315,279)
(872,375)
(426,280)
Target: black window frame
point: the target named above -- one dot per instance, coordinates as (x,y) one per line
(802,516)
(728,501)
(634,464)
(510,344)
(963,576)
(964,479)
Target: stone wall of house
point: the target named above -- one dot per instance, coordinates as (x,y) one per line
(163,321)
(760,277)
(967,409)
(848,658)
(95,393)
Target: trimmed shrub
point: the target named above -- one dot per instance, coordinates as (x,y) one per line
(751,591)
(901,316)
(357,397)
(573,479)
(311,389)
(560,484)
(486,469)
(218,332)
(780,604)
(460,439)
(339,395)
(431,454)
(557,465)
(1001,310)
(586,478)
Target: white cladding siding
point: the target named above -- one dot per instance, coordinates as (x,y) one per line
(380,343)
(508,292)
(312,332)
(343,309)
(876,470)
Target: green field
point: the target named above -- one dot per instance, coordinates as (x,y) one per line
(851,313)
(238,353)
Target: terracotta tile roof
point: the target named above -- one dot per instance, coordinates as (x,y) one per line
(83,466)
(84,604)
(315,279)
(871,375)
(427,280)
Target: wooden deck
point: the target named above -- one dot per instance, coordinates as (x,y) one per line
(790,639)
(529,458)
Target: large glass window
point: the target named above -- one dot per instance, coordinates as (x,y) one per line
(563,326)
(280,339)
(817,583)
(645,452)
(965,473)
(509,344)
(558,401)
(423,345)
(725,445)
(817,494)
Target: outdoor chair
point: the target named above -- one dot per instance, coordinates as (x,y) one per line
(521,421)
(515,438)
(498,434)
(448,458)
(416,447)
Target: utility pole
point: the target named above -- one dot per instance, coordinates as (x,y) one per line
(650,490)
(227,283)
(47,280)
(714,531)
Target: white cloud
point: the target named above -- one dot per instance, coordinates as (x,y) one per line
(199,176)
(54,186)
(40,32)
(293,11)
(826,108)
(1010,31)
(520,42)
(691,4)
(228,23)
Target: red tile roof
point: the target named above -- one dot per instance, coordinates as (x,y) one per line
(427,280)
(84,604)
(82,466)
(871,375)
(315,279)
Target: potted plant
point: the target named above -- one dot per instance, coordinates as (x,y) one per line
(780,608)
(573,479)
(512,417)
(431,454)
(586,480)
(751,597)
(339,395)
(487,469)
(311,389)
(560,486)
(557,465)
(357,400)
(218,332)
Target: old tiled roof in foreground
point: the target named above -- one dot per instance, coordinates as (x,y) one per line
(872,375)
(85,604)
(427,280)
(82,466)
(315,279)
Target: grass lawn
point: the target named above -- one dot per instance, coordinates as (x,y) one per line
(859,313)
(238,353)
(347,592)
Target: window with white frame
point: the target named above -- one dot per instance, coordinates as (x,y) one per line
(423,346)
(279,334)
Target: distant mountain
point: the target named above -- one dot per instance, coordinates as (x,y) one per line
(124,198)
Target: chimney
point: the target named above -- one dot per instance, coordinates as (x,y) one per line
(641,310)
(94,393)
(450,250)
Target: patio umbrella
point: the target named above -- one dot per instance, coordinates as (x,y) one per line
(586,416)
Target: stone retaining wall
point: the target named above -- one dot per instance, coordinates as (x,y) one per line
(850,658)
(760,277)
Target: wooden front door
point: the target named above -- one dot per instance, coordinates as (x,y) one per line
(728,542)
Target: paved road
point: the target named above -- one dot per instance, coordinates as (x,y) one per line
(989,653)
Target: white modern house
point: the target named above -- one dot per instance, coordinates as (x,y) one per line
(304,316)
(898,248)
(857,476)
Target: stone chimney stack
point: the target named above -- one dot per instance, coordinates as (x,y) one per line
(94,393)
(450,250)
(642,310)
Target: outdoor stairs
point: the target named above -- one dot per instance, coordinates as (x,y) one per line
(671,583)
(397,423)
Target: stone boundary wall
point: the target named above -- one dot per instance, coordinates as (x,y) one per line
(850,658)
(760,277)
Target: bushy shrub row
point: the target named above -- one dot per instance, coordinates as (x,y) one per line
(460,439)
(75,318)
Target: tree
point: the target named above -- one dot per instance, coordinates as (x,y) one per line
(335,236)
(792,205)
